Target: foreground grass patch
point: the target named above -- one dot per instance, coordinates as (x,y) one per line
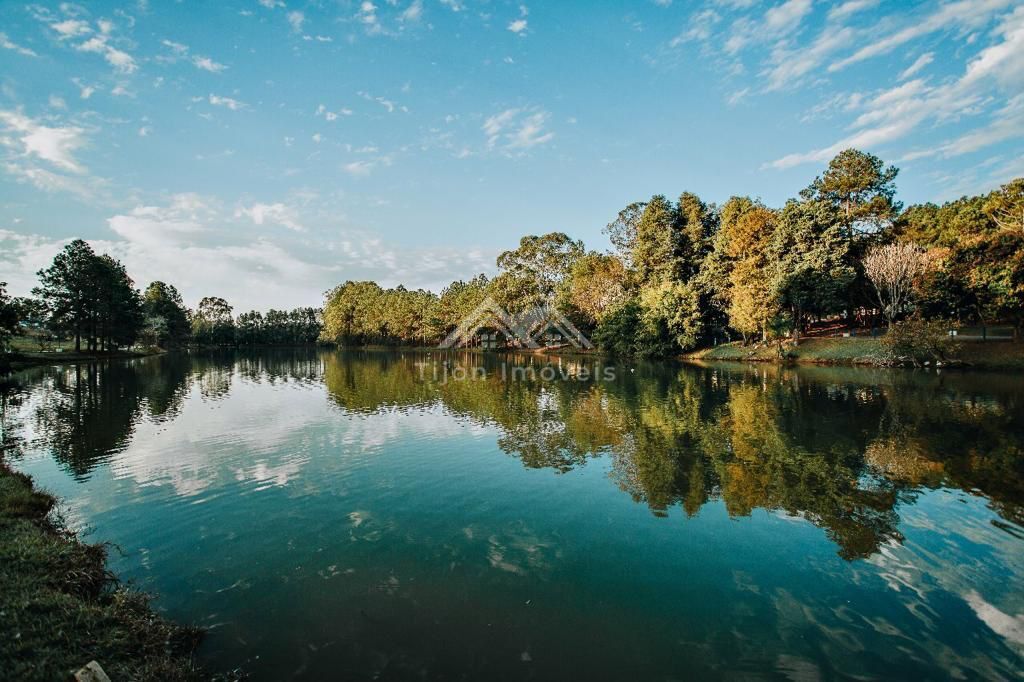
(60,608)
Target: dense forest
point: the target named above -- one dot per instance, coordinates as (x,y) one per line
(682,274)
(686,274)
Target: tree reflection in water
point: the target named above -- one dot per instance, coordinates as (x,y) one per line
(839,447)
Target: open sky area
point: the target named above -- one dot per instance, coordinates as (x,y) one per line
(266,150)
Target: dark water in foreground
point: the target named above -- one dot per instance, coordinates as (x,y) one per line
(354,516)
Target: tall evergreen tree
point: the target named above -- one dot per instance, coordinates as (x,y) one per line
(656,249)
(118,315)
(862,187)
(68,289)
(163,301)
(810,254)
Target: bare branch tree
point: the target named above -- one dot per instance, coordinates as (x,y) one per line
(892,269)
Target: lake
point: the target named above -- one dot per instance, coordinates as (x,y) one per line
(446,516)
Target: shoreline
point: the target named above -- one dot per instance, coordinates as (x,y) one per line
(860,352)
(23,360)
(823,351)
(63,608)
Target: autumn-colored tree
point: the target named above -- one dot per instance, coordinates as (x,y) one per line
(597,284)
(752,298)
(352,313)
(1005,206)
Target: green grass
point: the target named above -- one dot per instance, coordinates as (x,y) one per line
(61,608)
(858,351)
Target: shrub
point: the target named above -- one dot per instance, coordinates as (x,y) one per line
(919,341)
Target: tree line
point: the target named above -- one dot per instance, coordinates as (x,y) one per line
(684,274)
(681,274)
(89,300)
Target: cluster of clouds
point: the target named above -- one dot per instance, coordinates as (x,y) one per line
(517,130)
(788,51)
(71,26)
(765,48)
(179,51)
(44,155)
(205,248)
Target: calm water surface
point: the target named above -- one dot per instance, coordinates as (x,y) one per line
(356,516)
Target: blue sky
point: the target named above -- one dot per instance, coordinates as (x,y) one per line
(265,150)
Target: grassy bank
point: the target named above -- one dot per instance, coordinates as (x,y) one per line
(22,359)
(858,351)
(61,608)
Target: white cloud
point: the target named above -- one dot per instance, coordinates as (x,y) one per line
(273,214)
(1007,123)
(158,226)
(517,130)
(54,145)
(893,114)
(119,59)
(848,8)
(22,256)
(6,43)
(519,26)
(367,16)
(85,188)
(919,63)
(384,102)
(787,16)
(271,4)
(698,27)
(70,28)
(296,19)
(191,242)
(207,64)
(328,115)
(778,22)
(965,14)
(364,168)
(788,66)
(232,104)
(179,49)
(737,97)
(412,13)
